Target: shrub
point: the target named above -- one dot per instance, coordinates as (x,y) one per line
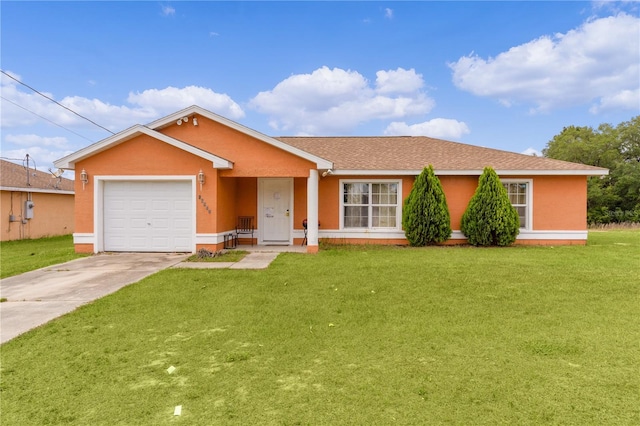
(425,217)
(490,219)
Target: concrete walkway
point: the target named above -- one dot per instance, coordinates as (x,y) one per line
(253,260)
(35,298)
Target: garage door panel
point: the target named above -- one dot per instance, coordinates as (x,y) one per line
(138,205)
(148,216)
(160,205)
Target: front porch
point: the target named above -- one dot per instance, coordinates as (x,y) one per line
(276,206)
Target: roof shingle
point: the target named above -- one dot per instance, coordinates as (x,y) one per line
(413,153)
(15,176)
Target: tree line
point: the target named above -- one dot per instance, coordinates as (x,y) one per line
(614,198)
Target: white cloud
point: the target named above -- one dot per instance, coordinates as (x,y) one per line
(337,100)
(532,151)
(626,99)
(444,128)
(43,157)
(168,11)
(143,107)
(398,81)
(388,13)
(596,62)
(171,99)
(29,140)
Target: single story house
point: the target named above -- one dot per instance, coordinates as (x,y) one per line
(181,182)
(34,204)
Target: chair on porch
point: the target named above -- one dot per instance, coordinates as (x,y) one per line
(245,226)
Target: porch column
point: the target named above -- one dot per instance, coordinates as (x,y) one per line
(312,211)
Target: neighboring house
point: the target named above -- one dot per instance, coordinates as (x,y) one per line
(34,204)
(180,183)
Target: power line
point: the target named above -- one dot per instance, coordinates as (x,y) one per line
(44,118)
(56,102)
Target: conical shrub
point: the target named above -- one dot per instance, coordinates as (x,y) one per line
(425,217)
(490,219)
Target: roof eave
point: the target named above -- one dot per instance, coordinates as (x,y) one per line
(36,190)
(500,172)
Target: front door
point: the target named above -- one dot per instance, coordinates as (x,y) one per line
(275,216)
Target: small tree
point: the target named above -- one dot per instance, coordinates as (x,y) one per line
(425,217)
(490,219)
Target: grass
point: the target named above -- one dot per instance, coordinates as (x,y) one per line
(226,256)
(21,256)
(451,335)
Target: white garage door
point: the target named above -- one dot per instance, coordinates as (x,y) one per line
(149,216)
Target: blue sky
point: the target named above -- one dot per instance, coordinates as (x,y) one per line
(506,75)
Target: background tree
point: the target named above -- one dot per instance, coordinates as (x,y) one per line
(612,198)
(425,217)
(490,219)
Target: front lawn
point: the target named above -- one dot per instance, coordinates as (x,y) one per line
(21,256)
(454,335)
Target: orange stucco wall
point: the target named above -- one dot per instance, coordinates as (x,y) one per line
(251,157)
(52,215)
(458,190)
(560,203)
(145,156)
(299,202)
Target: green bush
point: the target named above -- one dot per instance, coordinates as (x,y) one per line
(603,215)
(490,219)
(425,217)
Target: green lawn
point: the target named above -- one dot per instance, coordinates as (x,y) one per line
(21,256)
(455,335)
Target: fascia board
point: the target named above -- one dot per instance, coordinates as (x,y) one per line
(321,163)
(356,172)
(36,190)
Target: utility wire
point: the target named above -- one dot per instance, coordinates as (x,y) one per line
(44,118)
(56,102)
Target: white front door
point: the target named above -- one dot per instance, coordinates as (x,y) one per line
(274,218)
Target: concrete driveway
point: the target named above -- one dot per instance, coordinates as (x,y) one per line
(37,297)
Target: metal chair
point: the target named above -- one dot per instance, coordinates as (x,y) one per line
(245,227)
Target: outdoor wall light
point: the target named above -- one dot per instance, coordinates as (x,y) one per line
(201,178)
(185,120)
(84,178)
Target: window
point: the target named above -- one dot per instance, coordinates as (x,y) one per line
(367,205)
(519,195)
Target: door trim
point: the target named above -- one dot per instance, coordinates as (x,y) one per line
(260,225)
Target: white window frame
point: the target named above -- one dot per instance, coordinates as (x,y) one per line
(529,205)
(399,203)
